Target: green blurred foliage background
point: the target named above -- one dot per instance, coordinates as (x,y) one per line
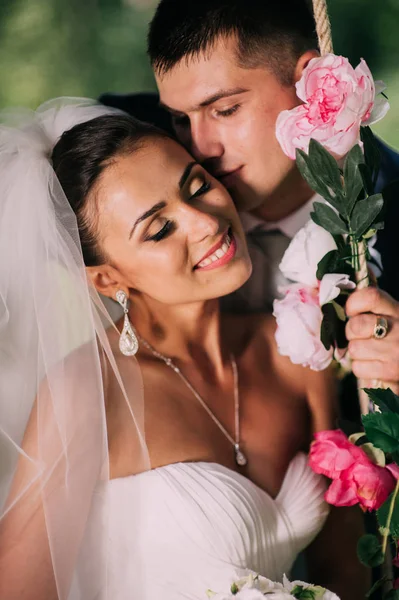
(85,47)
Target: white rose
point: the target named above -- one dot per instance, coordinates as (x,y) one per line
(257,582)
(299,318)
(305,251)
(331,286)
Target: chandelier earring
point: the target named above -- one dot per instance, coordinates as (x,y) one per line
(128,342)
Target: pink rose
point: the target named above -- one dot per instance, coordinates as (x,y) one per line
(337,100)
(356,478)
(333,453)
(299,318)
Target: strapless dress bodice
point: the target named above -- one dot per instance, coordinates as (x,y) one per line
(179,530)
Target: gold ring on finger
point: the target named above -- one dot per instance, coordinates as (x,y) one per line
(380,328)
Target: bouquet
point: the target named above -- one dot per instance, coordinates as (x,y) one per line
(255,587)
(336,153)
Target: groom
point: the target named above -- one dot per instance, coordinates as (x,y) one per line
(225,69)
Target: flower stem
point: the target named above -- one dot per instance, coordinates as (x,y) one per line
(389,519)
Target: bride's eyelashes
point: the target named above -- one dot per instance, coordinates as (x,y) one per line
(205,187)
(163,232)
(169,225)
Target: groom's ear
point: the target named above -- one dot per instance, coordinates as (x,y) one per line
(303,62)
(106,280)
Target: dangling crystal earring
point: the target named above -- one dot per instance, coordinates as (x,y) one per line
(128,343)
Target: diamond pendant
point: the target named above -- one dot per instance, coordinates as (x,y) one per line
(128,343)
(240,457)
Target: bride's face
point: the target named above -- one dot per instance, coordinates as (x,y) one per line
(168,229)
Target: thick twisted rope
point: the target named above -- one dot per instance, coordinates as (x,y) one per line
(323,26)
(323,29)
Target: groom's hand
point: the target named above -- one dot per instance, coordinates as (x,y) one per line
(375,360)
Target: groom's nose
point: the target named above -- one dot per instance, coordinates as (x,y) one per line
(204,143)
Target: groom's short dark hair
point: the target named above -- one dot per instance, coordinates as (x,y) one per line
(271,32)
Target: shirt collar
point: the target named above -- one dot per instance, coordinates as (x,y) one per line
(289,226)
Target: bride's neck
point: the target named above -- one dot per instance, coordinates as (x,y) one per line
(190,333)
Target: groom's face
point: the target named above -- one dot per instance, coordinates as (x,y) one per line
(225,114)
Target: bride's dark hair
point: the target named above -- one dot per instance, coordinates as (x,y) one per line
(80,157)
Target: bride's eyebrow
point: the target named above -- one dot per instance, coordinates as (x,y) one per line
(186,173)
(151,211)
(148,213)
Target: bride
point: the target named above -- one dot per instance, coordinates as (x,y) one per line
(168,473)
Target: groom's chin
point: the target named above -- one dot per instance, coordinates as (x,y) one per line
(244,197)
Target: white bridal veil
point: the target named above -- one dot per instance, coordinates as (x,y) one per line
(55,362)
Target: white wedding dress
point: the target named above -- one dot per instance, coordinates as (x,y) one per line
(181,529)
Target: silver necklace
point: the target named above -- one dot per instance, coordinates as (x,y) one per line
(239,455)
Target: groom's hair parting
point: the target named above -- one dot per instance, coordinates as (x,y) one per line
(80,157)
(268,32)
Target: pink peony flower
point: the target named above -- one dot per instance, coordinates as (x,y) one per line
(332,452)
(356,479)
(337,100)
(299,318)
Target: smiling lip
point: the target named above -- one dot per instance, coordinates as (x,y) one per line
(230,241)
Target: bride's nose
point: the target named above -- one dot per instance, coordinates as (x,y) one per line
(200,224)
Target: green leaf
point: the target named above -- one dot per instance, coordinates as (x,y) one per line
(369,551)
(328,264)
(328,219)
(372,154)
(382,515)
(325,166)
(391,595)
(382,430)
(302,593)
(328,326)
(234,589)
(332,330)
(353,181)
(340,311)
(385,399)
(365,213)
(315,180)
(367,179)
(377,586)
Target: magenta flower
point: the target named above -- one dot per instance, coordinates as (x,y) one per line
(356,478)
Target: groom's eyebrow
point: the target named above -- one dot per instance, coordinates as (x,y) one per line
(208,100)
(221,94)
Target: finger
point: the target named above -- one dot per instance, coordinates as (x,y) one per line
(375,369)
(371,300)
(372,349)
(362,326)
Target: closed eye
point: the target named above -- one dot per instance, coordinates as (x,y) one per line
(161,233)
(205,187)
(228,112)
